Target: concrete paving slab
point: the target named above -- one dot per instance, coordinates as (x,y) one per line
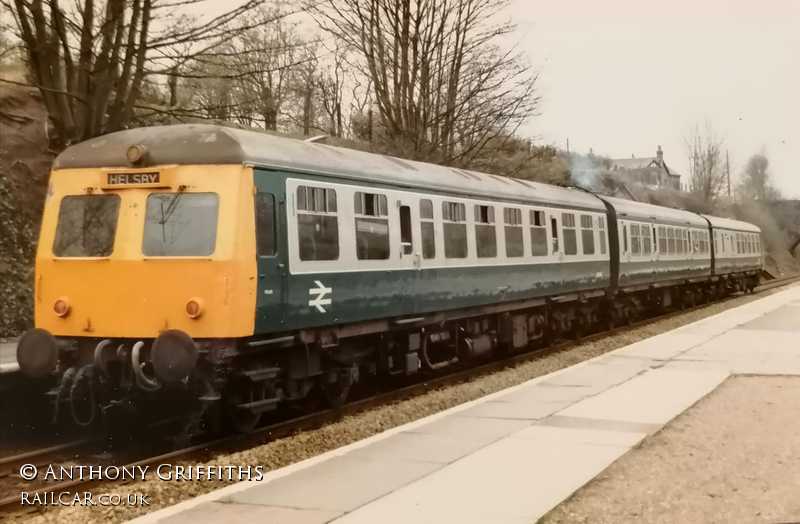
(424,447)
(8,357)
(247,514)
(532,410)
(665,346)
(472,429)
(8,353)
(502,483)
(563,421)
(786,318)
(339,484)
(654,397)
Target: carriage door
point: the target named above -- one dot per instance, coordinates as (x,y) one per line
(409,251)
(270,211)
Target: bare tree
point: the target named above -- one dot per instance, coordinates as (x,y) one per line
(756,180)
(704,148)
(331,87)
(441,83)
(91,58)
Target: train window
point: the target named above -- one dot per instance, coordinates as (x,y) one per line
(539,234)
(265,224)
(655,242)
(513,232)
(587,234)
(454,216)
(570,235)
(671,240)
(317,223)
(406,238)
(426,209)
(635,241)
(601,223)
(371,205)
(485,232)
(427,229)
(316,199)
(372,226)
(645,235)
(554,228)
(625,238)
(87,225)
(180,224)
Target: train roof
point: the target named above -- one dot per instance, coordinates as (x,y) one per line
(735,225)
(643,211)
(213,144)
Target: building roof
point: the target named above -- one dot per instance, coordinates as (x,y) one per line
(213,144)
(634,163)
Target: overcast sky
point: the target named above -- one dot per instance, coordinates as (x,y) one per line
(623,76)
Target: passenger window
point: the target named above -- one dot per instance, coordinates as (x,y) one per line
(485,232)
(372,226)
(554,229)
(317,223)
(427,229)
(587,234)
(645,234)
(636,249)
(265,224)
(539,234)
(671,240)
(513,232)
(570,235)
(454,217)
(662,240)
(601,222)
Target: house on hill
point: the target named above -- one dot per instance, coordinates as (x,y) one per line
(650,172)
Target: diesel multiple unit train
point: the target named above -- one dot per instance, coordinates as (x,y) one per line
(236,272)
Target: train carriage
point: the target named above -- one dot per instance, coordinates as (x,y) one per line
(660,245)
(737,247)
(236,271)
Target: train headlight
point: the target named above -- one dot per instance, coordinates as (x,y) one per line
(61,307)
(194,308)
(135,153)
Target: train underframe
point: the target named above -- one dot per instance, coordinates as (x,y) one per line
(223,385)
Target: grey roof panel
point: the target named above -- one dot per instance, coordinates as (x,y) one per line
(641,210)
(729,223)
(212,144)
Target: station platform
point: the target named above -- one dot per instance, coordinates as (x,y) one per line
(8,357)
(512,456)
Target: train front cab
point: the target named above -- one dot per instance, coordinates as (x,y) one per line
(142,266)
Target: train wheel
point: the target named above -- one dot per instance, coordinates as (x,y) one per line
(335,392)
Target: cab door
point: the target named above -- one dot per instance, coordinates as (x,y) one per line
(271,251)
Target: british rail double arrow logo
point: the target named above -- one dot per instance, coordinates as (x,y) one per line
(320,293)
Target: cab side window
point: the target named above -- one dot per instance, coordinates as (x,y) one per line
(265,224)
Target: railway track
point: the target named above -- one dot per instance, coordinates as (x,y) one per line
(315,420)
